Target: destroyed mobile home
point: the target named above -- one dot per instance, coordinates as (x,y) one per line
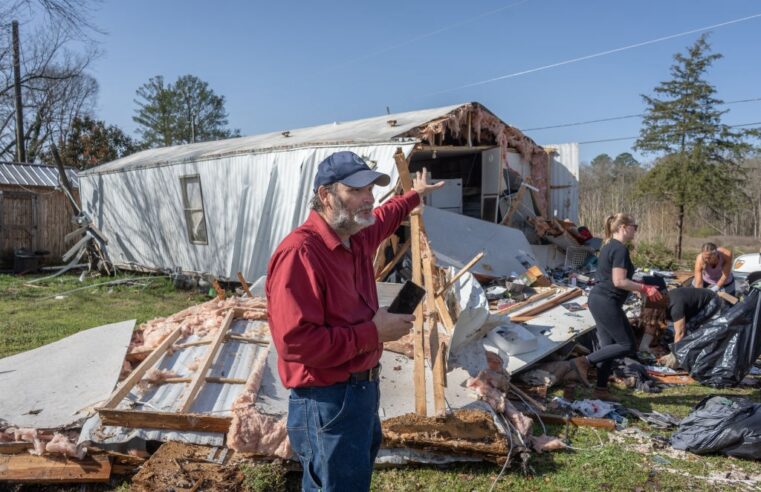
(494,333)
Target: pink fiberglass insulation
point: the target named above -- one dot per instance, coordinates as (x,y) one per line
(546,443)
(201,320)
(60,444)
(157,376)
(250,430)
(487,129)
(25,434)
(491,387)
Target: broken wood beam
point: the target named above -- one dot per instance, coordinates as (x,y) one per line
(444,315)
(137,419)
(462,271)
(608,424)
(391,264)
(546,306)
(25,468)
(244,284)
(200,374)
(437,357)
(728,297)
(520,305)
(403,169)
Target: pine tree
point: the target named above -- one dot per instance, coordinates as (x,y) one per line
(184,112)
(698,154)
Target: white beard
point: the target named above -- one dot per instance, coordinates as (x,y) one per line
(347,222)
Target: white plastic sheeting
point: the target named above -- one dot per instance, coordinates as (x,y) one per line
(251,202)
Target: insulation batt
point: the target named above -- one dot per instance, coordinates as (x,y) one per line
(201,319)
(486,385)
(546,443)
(60,444)
(251,431)
(157,376)
(488,128)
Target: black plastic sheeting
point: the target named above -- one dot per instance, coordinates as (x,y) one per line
(722,351)
(730,426)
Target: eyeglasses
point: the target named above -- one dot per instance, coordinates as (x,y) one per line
(635,226)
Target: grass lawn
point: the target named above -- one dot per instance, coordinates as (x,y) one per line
(33,316)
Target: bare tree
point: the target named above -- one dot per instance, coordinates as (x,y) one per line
(55,89)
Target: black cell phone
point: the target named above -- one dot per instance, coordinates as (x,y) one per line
(407,299)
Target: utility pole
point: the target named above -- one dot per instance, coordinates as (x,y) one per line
(20,150)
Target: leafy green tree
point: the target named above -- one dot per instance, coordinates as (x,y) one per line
(698,154)
(184,112)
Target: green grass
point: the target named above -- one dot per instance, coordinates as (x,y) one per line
(32,316)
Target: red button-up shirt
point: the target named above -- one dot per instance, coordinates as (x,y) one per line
(321,298)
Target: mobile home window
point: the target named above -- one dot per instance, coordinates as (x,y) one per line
(192,203)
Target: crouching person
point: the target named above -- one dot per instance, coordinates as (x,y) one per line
(326,324)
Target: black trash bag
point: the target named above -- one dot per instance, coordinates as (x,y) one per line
(718,424)
(722,351)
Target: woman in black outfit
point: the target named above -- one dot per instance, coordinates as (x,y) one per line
(614,282)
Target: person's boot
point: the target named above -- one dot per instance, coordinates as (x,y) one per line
(581,365)
(604,394)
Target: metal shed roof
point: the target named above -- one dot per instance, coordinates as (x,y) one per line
(16,173)
(365,131)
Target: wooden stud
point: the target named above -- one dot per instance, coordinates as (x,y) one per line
(444,315)
(164,420)
(136,375)
(25,468)
(209,379)
(418,336)
(200,375)
(391,264)
(437,358)
(462,271)
(520,305)
(440,380)
(546,306)
(244,284)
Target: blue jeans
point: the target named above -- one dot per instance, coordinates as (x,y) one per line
(336,433)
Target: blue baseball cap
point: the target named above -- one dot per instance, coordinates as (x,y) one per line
(347,168)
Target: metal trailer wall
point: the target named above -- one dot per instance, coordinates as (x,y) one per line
(564,181)
(251,202)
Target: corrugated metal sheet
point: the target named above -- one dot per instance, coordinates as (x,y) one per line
(251,202)
(14,173)
(234,360)
(564,181)
(352,133)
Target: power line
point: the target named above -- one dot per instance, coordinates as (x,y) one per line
(428,34)
(599,54)
(614,118)
(618,139)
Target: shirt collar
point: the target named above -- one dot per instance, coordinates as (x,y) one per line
(317,223)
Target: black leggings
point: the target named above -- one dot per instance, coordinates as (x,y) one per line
(614,333)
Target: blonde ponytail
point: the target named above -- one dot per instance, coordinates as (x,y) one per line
(613,222)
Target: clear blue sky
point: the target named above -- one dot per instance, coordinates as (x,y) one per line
(285,65)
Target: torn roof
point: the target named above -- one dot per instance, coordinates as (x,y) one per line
(16,173)
(378,129)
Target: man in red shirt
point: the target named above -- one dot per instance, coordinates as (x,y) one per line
(327,326)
